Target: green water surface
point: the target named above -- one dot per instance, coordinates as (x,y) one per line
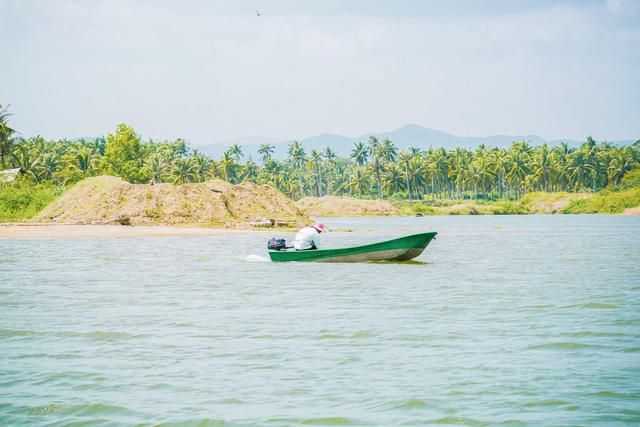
(507,320)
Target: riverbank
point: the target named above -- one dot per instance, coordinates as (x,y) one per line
(335,206)
(56,231)
(625,202)
(530,203)
(606,202)
(623,198)
(109,200)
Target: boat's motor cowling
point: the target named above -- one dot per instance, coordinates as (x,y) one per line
(276,244)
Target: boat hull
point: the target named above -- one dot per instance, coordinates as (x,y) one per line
(401,249)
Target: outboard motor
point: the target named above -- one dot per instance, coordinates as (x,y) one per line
(276,244)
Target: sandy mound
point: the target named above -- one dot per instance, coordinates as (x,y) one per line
(345,206)
(551,203)
(108,199)
(557,206)
(632,211)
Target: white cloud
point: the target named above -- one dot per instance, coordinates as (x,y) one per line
(200,71)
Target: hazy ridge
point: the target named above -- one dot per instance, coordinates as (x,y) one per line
(410,135)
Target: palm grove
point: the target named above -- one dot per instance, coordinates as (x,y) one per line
(375,169)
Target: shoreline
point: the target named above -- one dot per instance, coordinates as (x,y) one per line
(57,231)
(17,230)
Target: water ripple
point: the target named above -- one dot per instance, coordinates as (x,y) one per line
(504,321)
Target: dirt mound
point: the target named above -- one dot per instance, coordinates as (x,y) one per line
(107,199)
(550,203)
(344,206)
(632,211)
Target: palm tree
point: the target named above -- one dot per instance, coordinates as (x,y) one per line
(590,149)
(329,155)
(236,152)
(484,174)
(376,161)
(341,174)
(316,163)
(473,177)
(621,162)
(418,176)
(202,166)
(250,172)
(183,171)
(266,151)
(388,150)
(273,173)
(329,166)
(99,145)
(6,135)
(458,164)
(377,167)
(359,180)
(297,158)
(179,148)
(542,167)
(404,158)
(579,169)
(296,154)
(227,166)
(48,165)
(428,173)
(518,169)
(24,159)
(374,146)
(393,180)
(499,162)
(156,166)
(560,157)
(522,146)
(360,153)
(85,160)
(440,158)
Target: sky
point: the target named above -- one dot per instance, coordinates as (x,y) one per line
(209,71)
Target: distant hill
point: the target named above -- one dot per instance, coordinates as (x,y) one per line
(411,135)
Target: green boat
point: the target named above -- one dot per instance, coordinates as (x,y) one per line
(401,249)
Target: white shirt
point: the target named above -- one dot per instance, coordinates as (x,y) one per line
(306,239)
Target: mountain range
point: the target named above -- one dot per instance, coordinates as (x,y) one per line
(411,135)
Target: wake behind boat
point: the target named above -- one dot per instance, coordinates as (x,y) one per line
(400,249)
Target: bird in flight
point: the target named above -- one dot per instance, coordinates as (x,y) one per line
(258,13)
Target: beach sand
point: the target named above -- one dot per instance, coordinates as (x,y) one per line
(39,231)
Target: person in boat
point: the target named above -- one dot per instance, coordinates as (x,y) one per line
(309,237)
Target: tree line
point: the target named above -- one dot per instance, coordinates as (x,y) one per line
(375,169)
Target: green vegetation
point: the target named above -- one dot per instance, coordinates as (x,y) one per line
(463,181)
(630,180)
(123,156)
(540,202)
(462,207)
(607,201)
(6,135)
(611,200)
(22,199)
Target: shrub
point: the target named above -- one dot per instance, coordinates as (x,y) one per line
(631,179)
(606,201)
(22,199)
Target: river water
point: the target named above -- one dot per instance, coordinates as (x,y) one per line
(504,320)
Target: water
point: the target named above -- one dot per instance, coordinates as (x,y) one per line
(531,320)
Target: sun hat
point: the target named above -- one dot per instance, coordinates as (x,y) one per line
(320,227)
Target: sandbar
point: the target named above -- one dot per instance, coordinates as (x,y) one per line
(40,231)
